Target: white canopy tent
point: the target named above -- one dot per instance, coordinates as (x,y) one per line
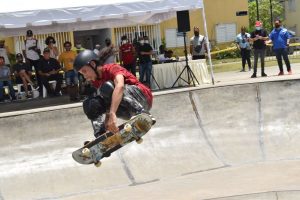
(17,16)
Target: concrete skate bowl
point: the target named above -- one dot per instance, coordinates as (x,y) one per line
(232,142)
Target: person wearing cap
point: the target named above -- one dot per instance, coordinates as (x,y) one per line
(5,76)
(127,55)
(49,70)
(50,42)
(259,38)
(31,53)
(280,38)
(242,42)
(4,52)
(119,93)
(23,73)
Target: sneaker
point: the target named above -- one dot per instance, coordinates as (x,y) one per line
(243,70)
(280,74)
(290,72)
(253,76)
(264,75)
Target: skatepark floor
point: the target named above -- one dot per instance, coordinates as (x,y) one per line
(236,140)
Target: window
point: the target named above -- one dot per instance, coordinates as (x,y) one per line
(174,39)
(292,5)
(225,32)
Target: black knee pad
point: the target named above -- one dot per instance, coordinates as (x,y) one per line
(93,107)
(107,89)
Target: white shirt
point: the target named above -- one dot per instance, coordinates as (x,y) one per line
(196,41)
(96,51)
(31,54)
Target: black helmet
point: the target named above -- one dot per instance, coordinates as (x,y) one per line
(84,58)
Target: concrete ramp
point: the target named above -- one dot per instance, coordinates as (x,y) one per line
(236,142)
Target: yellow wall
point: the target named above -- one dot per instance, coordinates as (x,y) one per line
(9,41)
(292,17)
(217,12)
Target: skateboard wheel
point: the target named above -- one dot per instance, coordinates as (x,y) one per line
(86,152)
(127,128)
(139,141)
(98,164)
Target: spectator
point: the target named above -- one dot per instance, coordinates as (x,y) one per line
(67,59)
(145,52)
(4,52)
(198,45)
(107,55)
(50,42)
(162,49)
(5,77)
(31,53)
(97,49)
(281,40)
(49,70)
(127,55)
(242,42)
(23,72)
(166,57)
(78,47)
(259,37)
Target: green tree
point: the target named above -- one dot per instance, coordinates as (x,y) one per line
(264,12)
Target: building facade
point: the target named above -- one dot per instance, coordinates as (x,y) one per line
(292,16)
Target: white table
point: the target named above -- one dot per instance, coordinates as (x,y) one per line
(167,73)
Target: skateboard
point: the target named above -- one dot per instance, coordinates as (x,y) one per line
(107,143)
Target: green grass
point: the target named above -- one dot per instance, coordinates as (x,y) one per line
(227,65)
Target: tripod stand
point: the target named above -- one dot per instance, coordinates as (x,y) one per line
(190,75)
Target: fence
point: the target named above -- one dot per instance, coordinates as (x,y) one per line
(133,32)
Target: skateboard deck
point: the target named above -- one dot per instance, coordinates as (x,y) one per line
(107,143)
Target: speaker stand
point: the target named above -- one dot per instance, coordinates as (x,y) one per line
(190,75)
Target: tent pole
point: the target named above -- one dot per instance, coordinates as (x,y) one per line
(139,30)
(208,46)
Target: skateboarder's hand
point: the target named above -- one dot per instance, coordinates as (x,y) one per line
(111,124)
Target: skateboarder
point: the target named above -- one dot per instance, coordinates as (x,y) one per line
(119,93)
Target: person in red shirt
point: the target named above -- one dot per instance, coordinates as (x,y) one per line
(119,93)
(127,55)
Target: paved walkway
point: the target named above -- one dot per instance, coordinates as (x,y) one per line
(240,77)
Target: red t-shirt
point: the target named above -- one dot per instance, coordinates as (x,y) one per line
(127,53)
(110,71)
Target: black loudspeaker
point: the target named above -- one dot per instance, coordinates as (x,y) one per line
(183,21)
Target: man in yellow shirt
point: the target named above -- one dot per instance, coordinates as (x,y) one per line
(67,58)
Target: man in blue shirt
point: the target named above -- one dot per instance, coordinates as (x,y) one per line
(242,42)
(281,39)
